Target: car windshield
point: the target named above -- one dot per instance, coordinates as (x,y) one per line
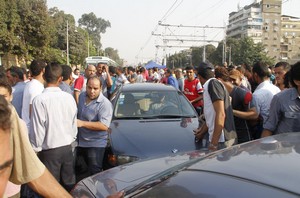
(154,104)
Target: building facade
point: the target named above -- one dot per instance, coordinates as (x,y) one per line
(263,22)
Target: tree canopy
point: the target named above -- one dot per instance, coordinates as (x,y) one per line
(32,31)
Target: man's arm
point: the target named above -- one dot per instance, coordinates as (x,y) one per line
(95,126)
(251,114)
(47,186)
(76,96)
(219,121)
(109,81)
(266,133)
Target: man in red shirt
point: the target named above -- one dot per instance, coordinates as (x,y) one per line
(193,89)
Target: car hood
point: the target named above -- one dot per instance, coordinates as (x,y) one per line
(130,175)
(153,137)
(271,161)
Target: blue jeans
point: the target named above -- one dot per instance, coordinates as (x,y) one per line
(93,157)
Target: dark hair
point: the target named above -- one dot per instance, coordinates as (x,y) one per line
(16,72)
(285,65)
(222,72)
(112,69)
(261,69)
(206,70)
(131,69)
(66,72)
(76,70)
(295,74)
(189,68)
(52,72)
(5,84)
(286,79)
(5,112)
(36,67)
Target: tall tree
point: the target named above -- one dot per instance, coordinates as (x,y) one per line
(94,26)
(34,30)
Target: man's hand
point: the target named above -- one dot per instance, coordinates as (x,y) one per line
(79,123)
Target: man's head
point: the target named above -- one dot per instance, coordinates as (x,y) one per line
(119,70)
(168,72)
(178,73)
(260,71)
(14,74)
(222,74)
(6,90)
(236,77)
(295,76)
(53,73)
(190,74)
(90,70)
(67,74)
(101,68)
(280,70)
(77,72)
(93,87)
(6,157)
(37,67)
(205,72)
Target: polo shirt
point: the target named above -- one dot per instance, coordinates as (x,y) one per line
(284,112)
(100,110)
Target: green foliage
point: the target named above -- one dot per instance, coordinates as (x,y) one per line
(94,26)
(28,29)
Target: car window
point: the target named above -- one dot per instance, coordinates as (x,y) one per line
(151,104)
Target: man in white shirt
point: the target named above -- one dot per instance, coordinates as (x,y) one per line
(32,89)
(54,127)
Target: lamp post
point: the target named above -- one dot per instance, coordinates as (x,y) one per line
(68,43)
(88,44)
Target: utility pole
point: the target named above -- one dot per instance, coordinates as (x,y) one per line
(68,62)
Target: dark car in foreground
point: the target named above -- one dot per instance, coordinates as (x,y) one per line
(267,167)
(150,119)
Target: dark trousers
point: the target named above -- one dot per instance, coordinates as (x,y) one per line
(93,158)
(60,163)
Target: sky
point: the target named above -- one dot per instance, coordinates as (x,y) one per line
(135,31)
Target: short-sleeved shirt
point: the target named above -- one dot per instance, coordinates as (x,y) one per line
(100,110)
(214,90)
(240,100)
(32,89)
(262,97)
(284,112)
(173,81)
(26,166)
(65,87)
(192,89)
(121,80)
(18,92)
(80,84)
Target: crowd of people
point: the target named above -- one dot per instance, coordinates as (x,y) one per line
(56,115)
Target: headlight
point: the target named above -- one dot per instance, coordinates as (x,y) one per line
(116,160)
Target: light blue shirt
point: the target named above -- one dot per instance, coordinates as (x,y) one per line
(100,110)
(262,97)
(17,101)
(54,119)
(65,87)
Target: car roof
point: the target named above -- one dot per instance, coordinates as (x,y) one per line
(147,86)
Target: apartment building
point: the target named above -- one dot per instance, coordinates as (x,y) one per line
(290,39)
(263,21)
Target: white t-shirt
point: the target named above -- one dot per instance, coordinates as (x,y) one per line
(31,90)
